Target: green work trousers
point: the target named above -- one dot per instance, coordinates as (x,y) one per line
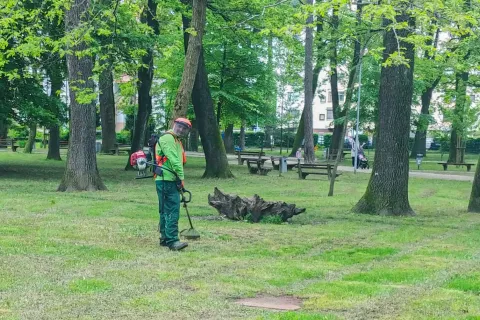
(169,208)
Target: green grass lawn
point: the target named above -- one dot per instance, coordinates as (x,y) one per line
(96,255)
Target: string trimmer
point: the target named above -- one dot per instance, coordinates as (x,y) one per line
(191,233)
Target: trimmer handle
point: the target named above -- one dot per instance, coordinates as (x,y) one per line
(185,199)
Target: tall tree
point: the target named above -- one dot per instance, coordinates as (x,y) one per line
(144,85)
(308,99)
(191,58)
(474,203)
(420,142)
(81,172)
(56,83)
(215,155)
(387,190)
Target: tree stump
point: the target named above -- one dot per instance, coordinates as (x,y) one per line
(235,208)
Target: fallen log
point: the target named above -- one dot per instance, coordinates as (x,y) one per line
(235,208)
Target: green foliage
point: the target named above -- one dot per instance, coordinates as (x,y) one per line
(123,137)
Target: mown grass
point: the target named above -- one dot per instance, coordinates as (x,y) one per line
(95,255)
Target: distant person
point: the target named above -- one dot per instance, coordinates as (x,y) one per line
(298,154)
(354,150)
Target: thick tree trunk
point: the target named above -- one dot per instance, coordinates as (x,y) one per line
(387,190)
(222,75)
(145,79)
(242,135)
(309,154)
(81,172)
(107,109)
(56,81)
(32,134)
(474,204)
(228,139)
(191,59)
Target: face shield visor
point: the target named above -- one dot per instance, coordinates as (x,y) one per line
(181,129)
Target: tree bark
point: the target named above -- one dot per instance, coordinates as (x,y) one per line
(145,79)
(387,190)
(242,135)
(32,134)
(81,172)
(228,139)
(309,154)
(191,59)
(215,155)
(107,108)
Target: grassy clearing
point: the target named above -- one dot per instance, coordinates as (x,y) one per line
(96,255)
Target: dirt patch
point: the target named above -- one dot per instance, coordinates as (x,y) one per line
(286,303)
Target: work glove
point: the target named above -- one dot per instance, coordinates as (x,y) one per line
(180,185)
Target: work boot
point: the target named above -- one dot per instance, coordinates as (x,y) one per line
(163,243)
(177,246)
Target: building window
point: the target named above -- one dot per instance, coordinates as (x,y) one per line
(329,96)
(323,99)
(329,114)
(322,117)
(341,96)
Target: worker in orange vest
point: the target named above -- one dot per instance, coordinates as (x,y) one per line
(170,154)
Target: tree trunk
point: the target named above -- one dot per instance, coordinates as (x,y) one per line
(193,137)
(191,59)
(222,74)
(387,190)
(309,153)
(420,143)
(228,139)
(81,172)
(474,204)
(297,142)
(458,126)
(145,79)
(32,134)
(355,65)
(242,135)
(337,112)
(56,80)
(3,128)
(107,109)
(215,155)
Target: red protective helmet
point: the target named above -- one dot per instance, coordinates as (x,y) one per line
(184,121)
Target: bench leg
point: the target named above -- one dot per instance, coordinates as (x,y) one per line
(468,168)
(14,149)
(445,167)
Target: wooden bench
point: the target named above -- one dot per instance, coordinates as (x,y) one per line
(5,143)
(120,148)
(255,166)
(446,164)
(276,166)
(320,169)
(332,155)
(63,144)
(249,155)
